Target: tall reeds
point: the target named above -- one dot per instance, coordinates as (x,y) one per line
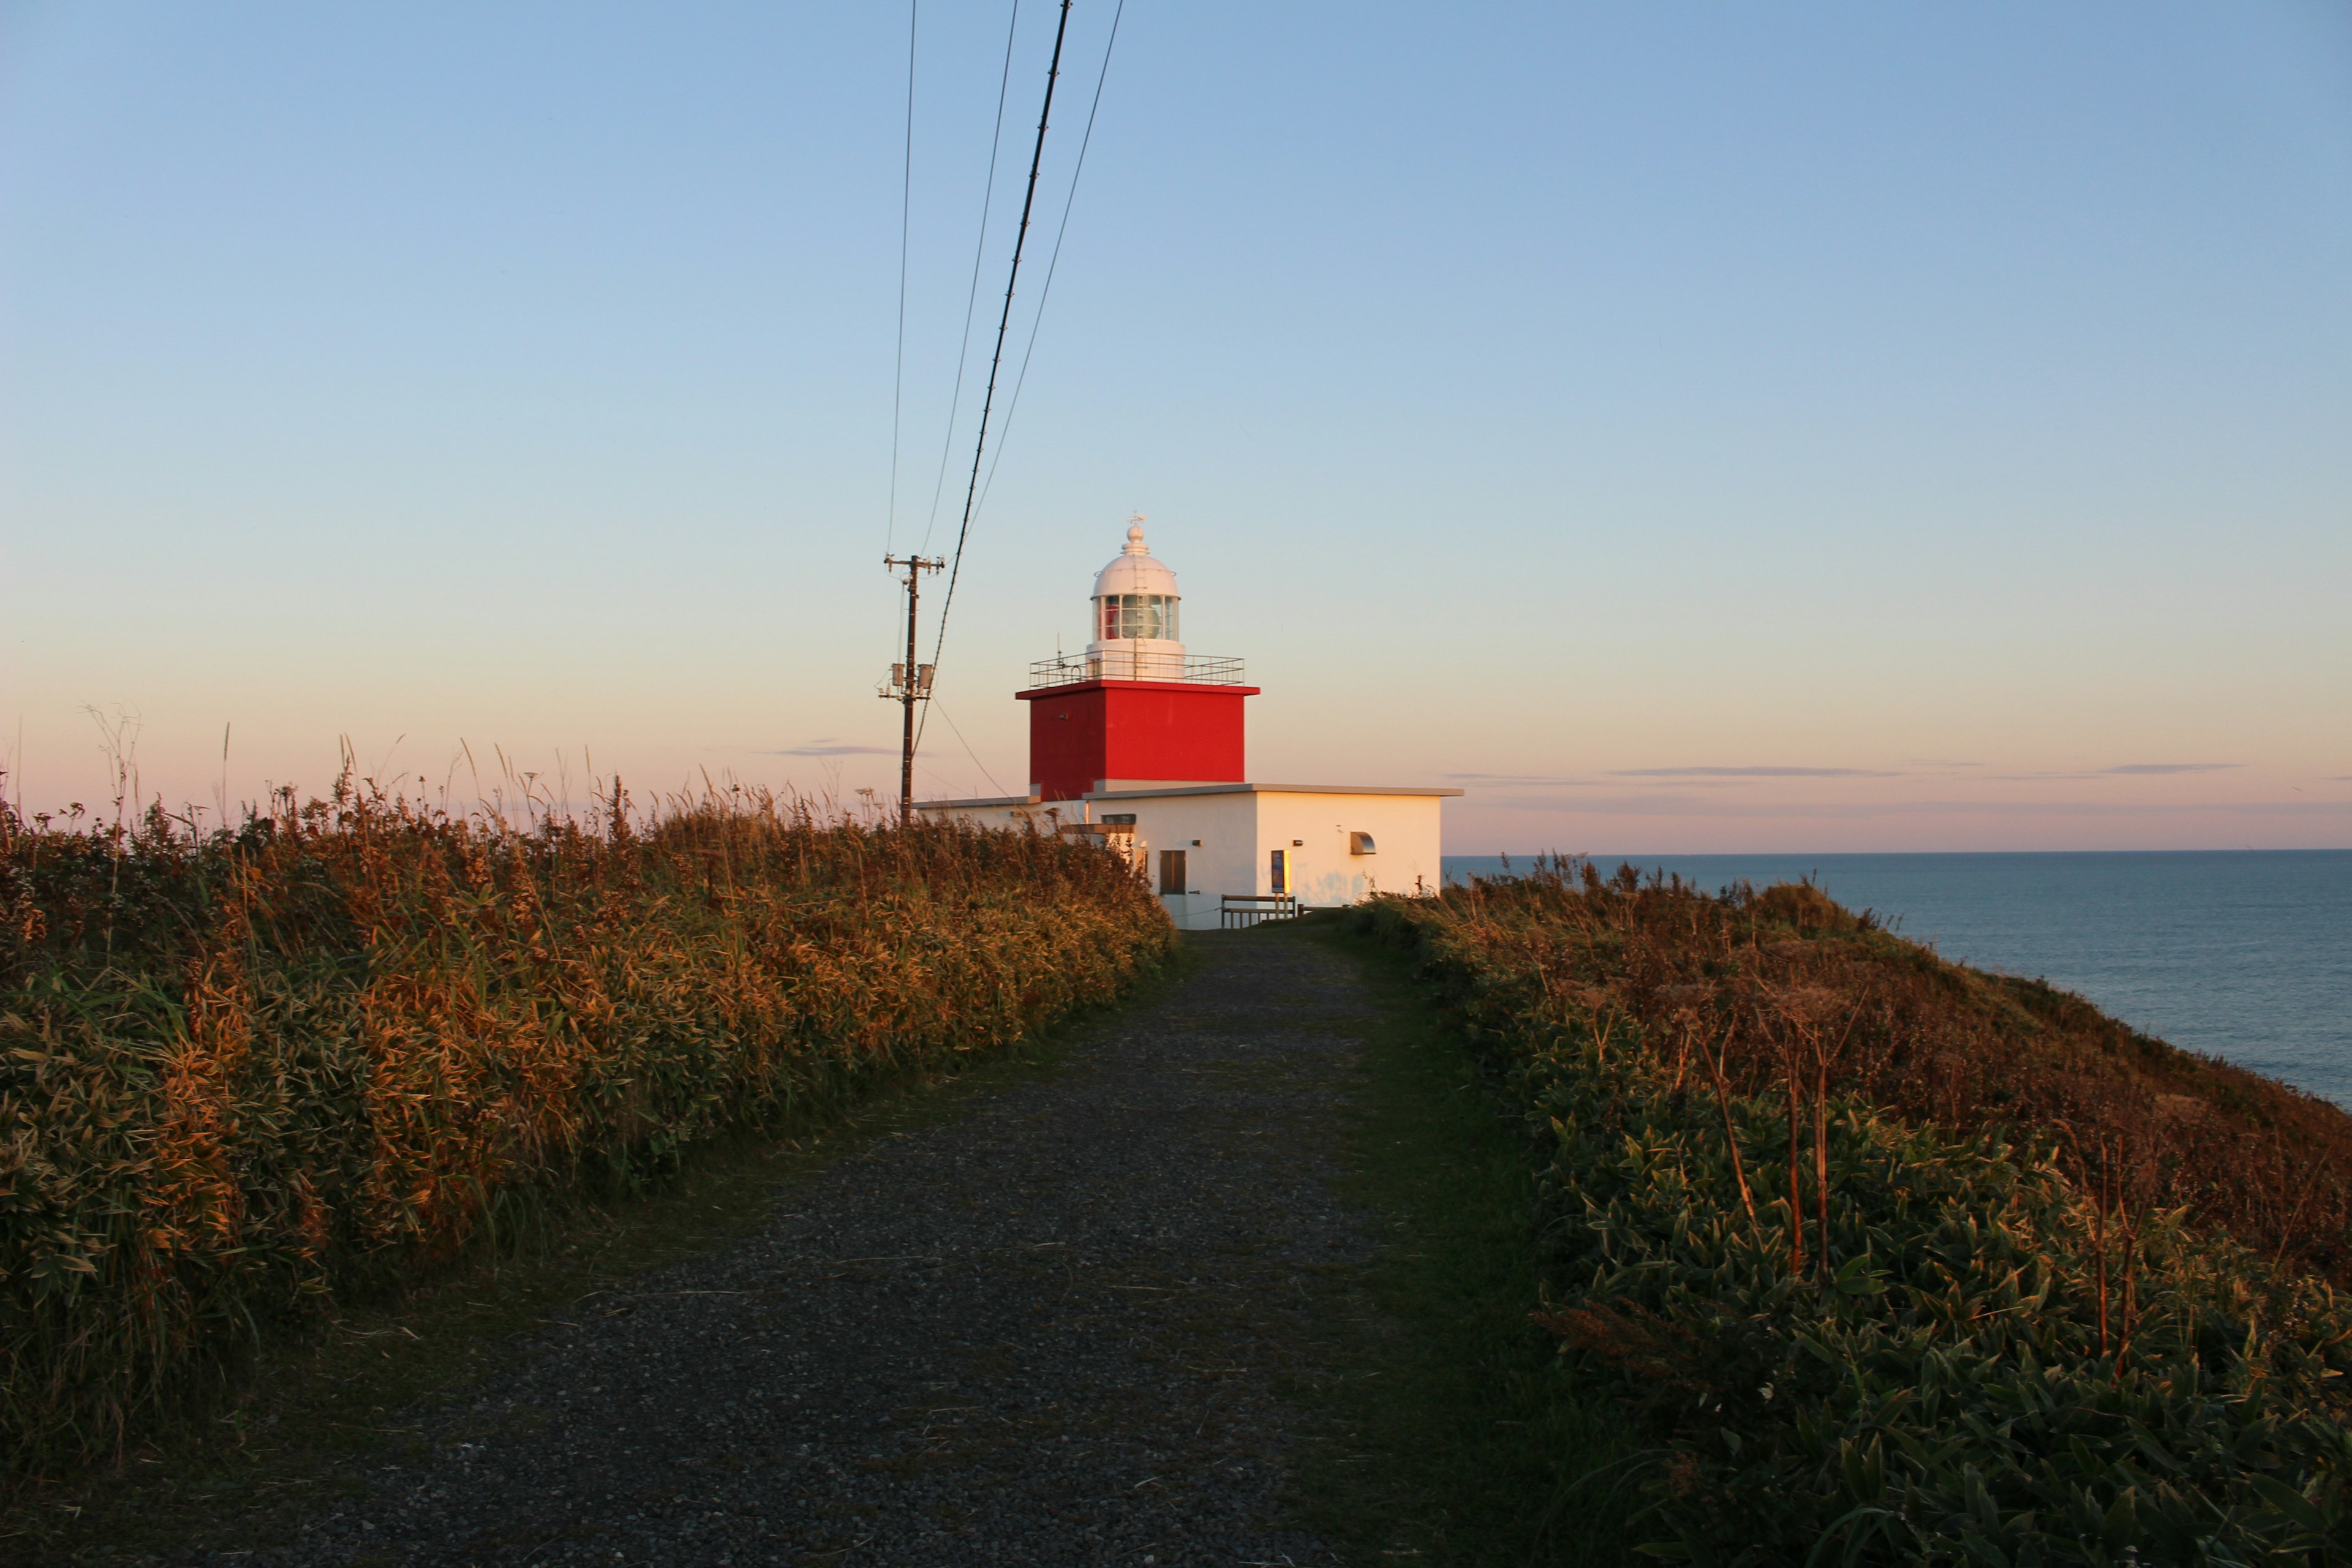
(243,1071)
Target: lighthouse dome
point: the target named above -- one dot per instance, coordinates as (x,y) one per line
(1133,571)
(1134,616)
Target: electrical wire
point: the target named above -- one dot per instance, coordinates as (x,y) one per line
(1004,318)
(971,299)
(1052,264)
(906,211)
(939,641)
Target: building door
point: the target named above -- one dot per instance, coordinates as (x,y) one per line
(1278,874)
(1171,872)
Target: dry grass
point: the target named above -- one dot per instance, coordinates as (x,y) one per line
(1892,1260)
(1784,992)
(244,1074)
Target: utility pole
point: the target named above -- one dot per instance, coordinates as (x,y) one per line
(909,683)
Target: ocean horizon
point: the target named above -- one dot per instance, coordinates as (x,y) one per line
(2244,954)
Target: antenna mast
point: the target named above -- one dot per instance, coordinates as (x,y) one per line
(909,683)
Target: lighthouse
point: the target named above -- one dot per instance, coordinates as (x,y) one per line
(1141,746)
(1137,710)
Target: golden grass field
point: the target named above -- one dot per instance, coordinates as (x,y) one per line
(243,1073)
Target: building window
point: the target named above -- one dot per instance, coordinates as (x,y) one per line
(1171,871)
(1361,844)
(1136,615)
(1281,874)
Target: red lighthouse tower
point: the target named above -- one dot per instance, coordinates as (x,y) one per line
(1137,711)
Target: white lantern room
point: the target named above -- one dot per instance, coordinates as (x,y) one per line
(1136,636)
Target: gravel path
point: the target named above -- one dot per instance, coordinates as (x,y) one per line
(1048,1331)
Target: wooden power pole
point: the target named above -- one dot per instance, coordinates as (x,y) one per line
(909,683)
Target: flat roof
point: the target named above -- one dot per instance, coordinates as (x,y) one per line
(991,800)
(1267,789)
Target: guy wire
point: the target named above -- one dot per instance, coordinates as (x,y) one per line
(967,746)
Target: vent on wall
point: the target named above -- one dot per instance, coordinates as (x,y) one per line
(1361,844)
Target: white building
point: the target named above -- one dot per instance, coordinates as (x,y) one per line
(1141,745)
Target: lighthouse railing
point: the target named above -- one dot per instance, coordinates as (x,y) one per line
(1073,669)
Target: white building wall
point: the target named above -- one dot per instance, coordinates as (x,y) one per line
(1239,828)
(1217,833)
(1228,835)
(1314,829)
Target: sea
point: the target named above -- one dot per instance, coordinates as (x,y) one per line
(2243,954)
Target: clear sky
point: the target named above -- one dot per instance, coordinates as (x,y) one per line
(1687,426)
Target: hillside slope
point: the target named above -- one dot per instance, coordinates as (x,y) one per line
(1896,1260)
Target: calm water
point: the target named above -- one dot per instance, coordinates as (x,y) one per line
(2245,954)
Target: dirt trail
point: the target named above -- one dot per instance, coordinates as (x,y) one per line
(1053,1330)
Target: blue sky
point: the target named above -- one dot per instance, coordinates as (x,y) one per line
(1687,427)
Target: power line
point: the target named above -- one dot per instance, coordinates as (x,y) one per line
(1052,263)
(967,749)
(1003,324)
(906,209)
(971,299)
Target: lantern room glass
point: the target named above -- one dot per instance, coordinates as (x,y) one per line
(1137,615)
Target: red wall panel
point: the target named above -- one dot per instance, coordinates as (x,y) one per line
(1133,729)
